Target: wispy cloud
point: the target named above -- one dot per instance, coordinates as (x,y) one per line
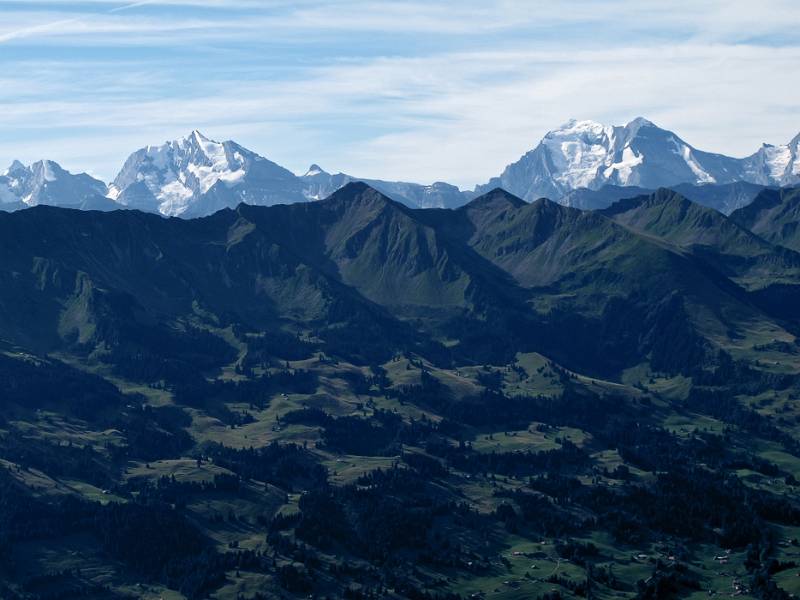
(405,90)
(731,20)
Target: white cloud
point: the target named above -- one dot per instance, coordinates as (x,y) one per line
(453,107)
(146,20)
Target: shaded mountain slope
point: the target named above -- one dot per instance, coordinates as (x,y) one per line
(590,275)
(498,275)
(747,258)
(773,215)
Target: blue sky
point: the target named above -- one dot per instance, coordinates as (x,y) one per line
(420,91)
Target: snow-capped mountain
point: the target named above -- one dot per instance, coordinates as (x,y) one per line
(582,163)
(319,184)
(195,176)
(775,165)
(586,154)
(45,182)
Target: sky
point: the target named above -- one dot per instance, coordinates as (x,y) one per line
(418,91)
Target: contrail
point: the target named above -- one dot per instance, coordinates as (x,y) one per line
(30,31)
(133,5)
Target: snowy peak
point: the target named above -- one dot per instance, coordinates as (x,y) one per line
(582,162)
(210,161)
(198,137)
(775,165)
(46,171)
(15,168)
(576,151)
(315,170)
(196,175)
(214,161)
(46,182)
(574,128)
(588,154)
(176,172)
(636,124)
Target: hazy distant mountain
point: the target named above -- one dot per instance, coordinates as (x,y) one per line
(586,154)
(583,164)
(45,182)
(588,199)
(725,197)
(320,184)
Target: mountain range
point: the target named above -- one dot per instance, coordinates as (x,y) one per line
(45,182)
(540,268)
(317,398)
(585,154)
(582,164)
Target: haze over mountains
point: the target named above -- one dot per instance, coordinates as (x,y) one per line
(582,164)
